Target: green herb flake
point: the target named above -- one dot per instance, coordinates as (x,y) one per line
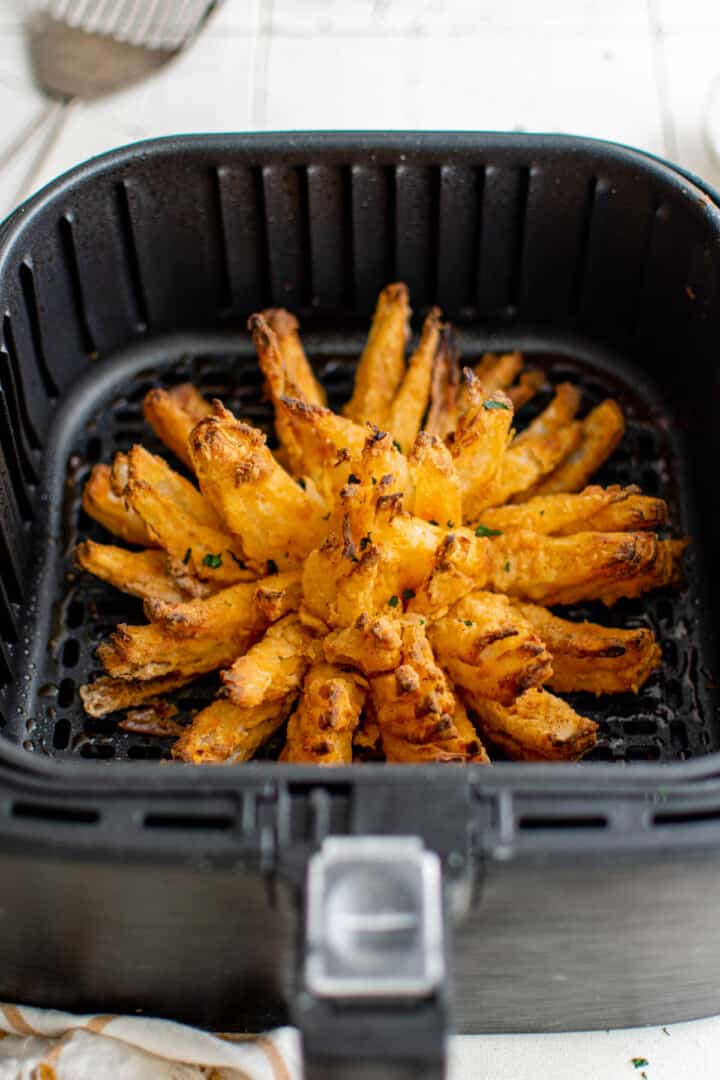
(422,622)
(495,405)
(272,566)
(374,479)
(451,524)
(397,446)
(213,561)
(393,601)
(483,530)
(408,594)
(301,482)
(353,479)
(507,567)
(468,622)
(365,541)
(186,556)
(640,1063)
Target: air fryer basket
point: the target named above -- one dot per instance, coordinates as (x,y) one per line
(139,269)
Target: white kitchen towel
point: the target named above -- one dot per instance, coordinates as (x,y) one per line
(41,1044)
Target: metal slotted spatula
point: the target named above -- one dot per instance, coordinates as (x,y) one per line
(85,49)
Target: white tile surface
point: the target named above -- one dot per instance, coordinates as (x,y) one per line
(503,80)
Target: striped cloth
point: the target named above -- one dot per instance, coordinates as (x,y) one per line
(41,1044)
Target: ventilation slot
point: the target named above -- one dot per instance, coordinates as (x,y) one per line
(576,288)
(27,284)
(13,458)
(217,223)
(531,822)
(518,241)
(131,257)
(18,386)
(67,242)
(58,815)
(199,822)
(263,237)
(686,817)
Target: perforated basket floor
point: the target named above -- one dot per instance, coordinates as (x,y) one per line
(672,718)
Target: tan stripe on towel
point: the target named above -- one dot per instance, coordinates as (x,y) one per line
(16,1020)
(279,1068)
(99,1023)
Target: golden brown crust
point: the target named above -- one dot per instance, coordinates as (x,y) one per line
(139,573)
(600,432)
(172,414)
(273,667)
(107,695)
(101,503)
(224,732)
(321,729)
(436,486)
(537,727)
(591,658)
(382,363)
(444,409)
(411,399)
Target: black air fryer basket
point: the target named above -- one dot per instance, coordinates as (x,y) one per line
(523,897)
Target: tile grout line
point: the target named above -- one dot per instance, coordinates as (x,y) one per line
(260,66)
(667,120)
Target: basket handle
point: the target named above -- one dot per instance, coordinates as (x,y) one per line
(372,979)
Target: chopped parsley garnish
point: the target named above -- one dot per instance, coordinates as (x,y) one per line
(353,479)
(393,601)
(301,482)
(364,541)
(640,1063)
(483,530)
(397,446)
(213,561)
(507,567)
(495,405)
(186,556)
(468,622)
(408,594)
(374,479)
(451,524)
(422,622)
(272,566)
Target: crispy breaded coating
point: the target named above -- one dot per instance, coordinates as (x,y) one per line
(172,414)
(274,518)
(611,509)
(444,408)
(537,727)
(101,503)
(415,706)
(322,727)
(224,732)
(107,695)
(199,635)
(382,364)
(592,658)
(273,667)
(139,573)
(586,566)
(600,432)
(296,365)
(435,483)
(411,399)
(489,649)
(480,445)
(210,553)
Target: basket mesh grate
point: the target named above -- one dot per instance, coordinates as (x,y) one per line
(669,719)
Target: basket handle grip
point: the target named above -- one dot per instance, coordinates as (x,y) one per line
(372,978)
